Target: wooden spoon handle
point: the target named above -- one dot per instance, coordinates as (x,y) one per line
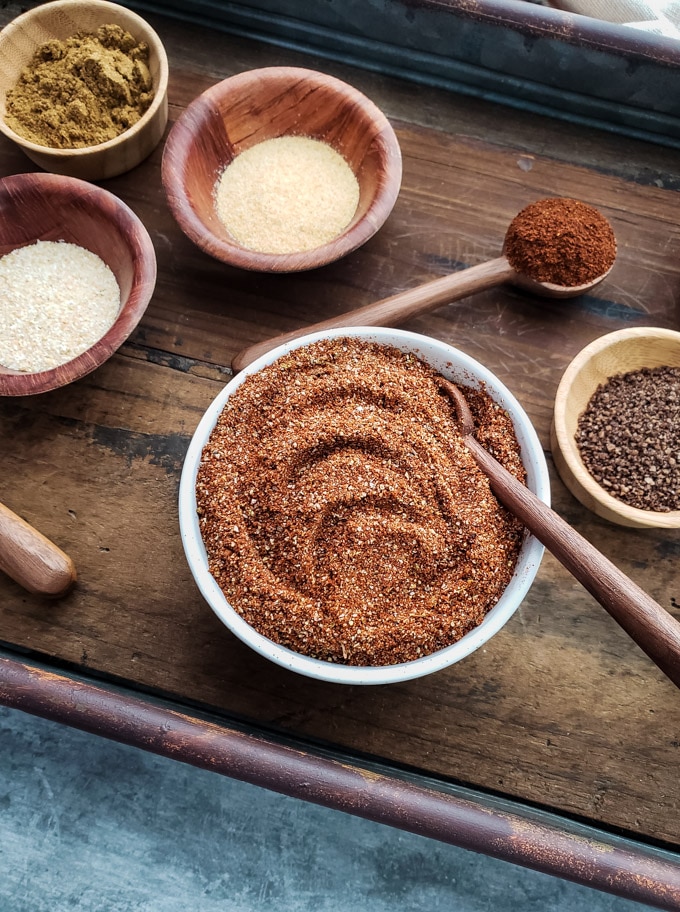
(32,560)
(654,630)
(398,308)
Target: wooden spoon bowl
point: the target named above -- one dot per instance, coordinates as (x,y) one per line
(262,104)
(616,353)
(60,20)
(404,305)
(51,207)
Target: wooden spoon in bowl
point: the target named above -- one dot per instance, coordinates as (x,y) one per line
(406,304)
(654,630)
(32,560)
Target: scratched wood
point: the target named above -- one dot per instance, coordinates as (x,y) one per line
(560,709)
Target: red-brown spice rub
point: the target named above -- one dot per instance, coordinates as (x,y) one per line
(342,514)
(561,241)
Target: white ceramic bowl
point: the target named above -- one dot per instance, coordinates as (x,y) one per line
(452,364)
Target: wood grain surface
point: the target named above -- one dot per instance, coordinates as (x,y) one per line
(561,709)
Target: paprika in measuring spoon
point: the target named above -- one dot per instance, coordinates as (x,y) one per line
(564,229)
(560,241)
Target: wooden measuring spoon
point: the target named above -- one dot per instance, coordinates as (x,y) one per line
(654,630)
(406,304)
(32,560)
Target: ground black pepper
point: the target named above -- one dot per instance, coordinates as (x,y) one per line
(561,241)
(342,514)
(629,438)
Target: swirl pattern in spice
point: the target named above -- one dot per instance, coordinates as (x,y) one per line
(342,514)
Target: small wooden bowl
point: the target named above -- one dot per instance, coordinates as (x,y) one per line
(262,104)
(616,353)
(60,20)
(50,207)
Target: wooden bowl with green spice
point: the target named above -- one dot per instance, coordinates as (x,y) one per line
(281,169)
(77,271)
(83,87)
(615,435)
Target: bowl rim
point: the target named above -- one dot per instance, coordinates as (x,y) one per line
(175,161)
(20,383)
(159,99)
(525,572)
(567,445)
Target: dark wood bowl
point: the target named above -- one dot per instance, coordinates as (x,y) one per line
(50,207)
(262,104)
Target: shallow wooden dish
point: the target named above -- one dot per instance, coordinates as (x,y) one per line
(50,207)
(61,19)
(615,353)
(262,104)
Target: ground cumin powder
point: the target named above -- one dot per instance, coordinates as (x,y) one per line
(83,91)
(342,514)
(562,241)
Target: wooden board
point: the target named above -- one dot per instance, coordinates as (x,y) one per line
(560,709)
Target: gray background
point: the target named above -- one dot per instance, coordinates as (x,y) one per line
(87,824)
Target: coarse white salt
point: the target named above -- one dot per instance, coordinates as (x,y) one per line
(286,195)
(56,300)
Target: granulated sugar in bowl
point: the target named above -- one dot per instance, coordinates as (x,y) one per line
(58,300)
(77,271)
(390,506)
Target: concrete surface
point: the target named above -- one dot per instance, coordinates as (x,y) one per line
(87,825)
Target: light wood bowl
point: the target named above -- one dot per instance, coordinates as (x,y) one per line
(616,353)
(50,207)
(61,19)
(262,104)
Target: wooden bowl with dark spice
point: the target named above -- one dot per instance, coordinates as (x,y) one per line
(281,169)
(332,515)
(77,271)
(615,434)
(83,87)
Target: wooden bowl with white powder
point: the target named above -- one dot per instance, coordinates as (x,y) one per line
(77,271)
(281,169)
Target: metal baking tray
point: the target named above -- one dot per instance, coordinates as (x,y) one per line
(515,52)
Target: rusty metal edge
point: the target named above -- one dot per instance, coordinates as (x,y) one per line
(560,25)
(401,48)
(540,842)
